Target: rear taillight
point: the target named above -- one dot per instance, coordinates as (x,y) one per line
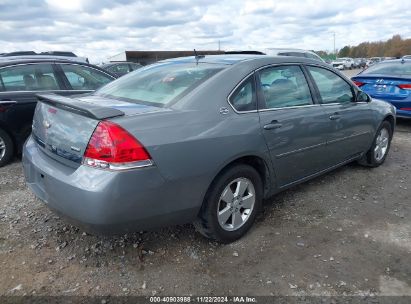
(112,147)
(405,109)
(358,83)
(405,86)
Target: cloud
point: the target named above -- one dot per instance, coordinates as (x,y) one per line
(100,28)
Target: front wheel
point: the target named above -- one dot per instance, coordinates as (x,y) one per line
(380,147)
(231,204)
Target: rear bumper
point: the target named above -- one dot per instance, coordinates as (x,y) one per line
(403,113)
(104,201)
(398,104)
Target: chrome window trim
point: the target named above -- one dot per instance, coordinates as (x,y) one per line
(334,71)
(235,88)
(292,107)
(319,64)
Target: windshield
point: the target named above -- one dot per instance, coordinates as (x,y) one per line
(159,84)
(390,68)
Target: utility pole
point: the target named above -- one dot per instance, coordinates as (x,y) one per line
(335,54)
(219,45)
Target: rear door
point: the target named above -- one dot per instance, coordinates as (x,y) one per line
(352,122)
(18,85)
(294,127)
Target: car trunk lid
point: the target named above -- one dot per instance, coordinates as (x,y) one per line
(62,126)
(380,86)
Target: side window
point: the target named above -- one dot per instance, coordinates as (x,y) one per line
(331,86)
(284,86)
(244,97)
(84,78)
(31,77)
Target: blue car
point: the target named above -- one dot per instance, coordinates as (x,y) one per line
(389,81)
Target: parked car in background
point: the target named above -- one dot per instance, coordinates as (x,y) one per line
(120,68)
(373,60)
(359,63)
(390,81)
(42,55)
(199,139)
(406,57)
(21,80)
(343,63)
(292,52)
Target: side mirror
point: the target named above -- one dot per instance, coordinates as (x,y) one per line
(362,97)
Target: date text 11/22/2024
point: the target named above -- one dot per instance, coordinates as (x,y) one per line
(203,299)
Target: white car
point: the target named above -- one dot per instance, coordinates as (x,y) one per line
(292,52)
(343,63)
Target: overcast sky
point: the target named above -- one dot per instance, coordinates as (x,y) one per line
(98,29)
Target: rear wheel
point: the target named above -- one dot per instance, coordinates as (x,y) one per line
(6,148)
(231,204)
(380,147)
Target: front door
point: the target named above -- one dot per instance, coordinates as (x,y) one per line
(294,127)
(351,130)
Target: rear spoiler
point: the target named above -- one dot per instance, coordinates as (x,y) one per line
(79,107)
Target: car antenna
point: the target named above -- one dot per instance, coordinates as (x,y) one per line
(198,57)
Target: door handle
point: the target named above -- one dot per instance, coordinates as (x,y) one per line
(335,116)
(273,125)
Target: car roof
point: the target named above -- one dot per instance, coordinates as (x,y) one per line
(235,59)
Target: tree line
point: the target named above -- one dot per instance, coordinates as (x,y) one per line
(393,47)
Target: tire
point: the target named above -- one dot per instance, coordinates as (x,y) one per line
(225,228)
(374,156)
(6,148)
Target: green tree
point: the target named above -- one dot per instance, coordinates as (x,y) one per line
(344,52)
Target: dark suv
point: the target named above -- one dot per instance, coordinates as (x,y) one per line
(22,79)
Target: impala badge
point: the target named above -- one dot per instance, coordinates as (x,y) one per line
(46,124)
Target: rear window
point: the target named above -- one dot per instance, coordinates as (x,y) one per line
(159,84)
(390,68)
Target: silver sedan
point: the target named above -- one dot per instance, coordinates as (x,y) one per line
(200,140)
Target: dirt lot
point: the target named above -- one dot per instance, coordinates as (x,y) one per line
(345,233)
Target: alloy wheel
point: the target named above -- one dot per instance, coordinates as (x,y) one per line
(381,144)
(2,148)
(236,204)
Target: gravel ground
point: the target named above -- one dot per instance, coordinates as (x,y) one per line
(345,233)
